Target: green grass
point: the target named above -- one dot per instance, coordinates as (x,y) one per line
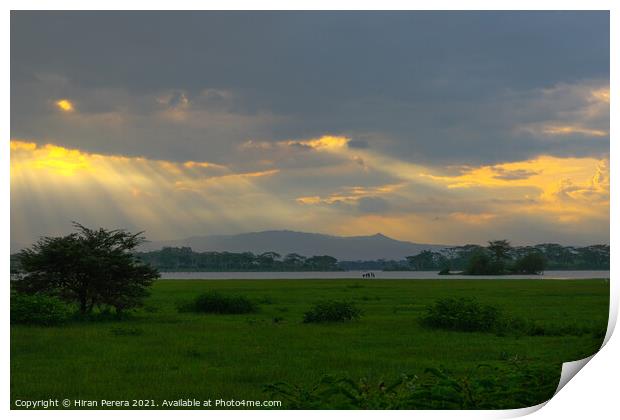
(161,353)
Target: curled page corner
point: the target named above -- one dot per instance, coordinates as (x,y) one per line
(570,369)
(520,412)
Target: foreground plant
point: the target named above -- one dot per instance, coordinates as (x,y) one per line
(513,384)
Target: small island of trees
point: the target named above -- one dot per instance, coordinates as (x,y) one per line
(500,258)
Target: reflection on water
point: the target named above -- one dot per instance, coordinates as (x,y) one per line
(549,275)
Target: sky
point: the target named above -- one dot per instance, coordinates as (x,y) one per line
(432,127)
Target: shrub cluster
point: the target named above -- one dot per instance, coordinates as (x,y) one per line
(332,311)
(38,309)
(216,303)
(461,314)
(466,314)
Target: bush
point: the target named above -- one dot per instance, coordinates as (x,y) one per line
(461,315)
(332,311)
(217,303)
(470,316)
(38,309)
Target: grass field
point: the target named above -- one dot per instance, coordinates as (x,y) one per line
(163,354)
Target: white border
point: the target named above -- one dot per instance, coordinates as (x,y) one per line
(311,5)
(592,394)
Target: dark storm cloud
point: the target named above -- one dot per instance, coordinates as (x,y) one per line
(358,144)
(423,86)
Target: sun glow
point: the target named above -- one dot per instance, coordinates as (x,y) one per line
(65,105)
(49,158)
(162,196)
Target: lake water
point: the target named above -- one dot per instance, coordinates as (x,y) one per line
(413,275)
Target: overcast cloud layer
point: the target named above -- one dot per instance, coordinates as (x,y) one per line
(412,109)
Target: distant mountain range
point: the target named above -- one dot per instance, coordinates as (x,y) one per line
(351,248)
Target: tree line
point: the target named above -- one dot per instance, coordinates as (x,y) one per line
(499,257)
(185,259)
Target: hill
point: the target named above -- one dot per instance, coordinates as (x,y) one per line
(285,242)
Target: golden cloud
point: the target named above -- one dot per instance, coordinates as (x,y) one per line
(51,160)
(315,199)
(554,130)
(192,164)
(601,95)
(322,143)
(350,194)
(569,188)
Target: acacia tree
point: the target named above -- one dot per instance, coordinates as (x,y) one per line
(501,252)
(89,267)
(500,249)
